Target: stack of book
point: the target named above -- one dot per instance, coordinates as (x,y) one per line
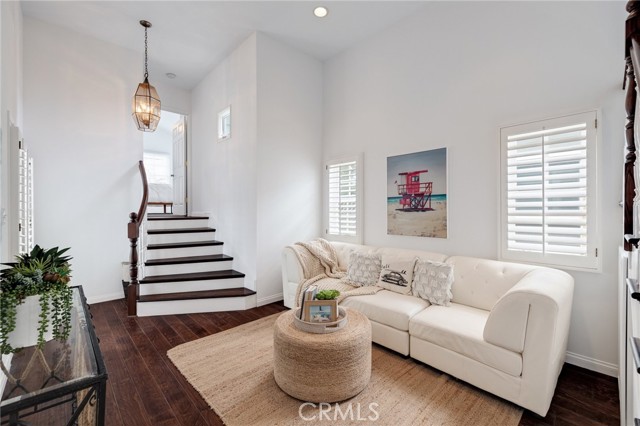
(309,294)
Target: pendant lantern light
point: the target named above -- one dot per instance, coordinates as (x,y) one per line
(146,102)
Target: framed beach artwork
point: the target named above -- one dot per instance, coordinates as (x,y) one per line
(417,194)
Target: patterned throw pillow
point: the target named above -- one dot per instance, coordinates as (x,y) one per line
(396,275)
(363,269)
(432,281)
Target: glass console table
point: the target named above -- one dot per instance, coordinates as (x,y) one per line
(64,383)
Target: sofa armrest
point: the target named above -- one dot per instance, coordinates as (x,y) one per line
(550,289)
(291,274)
(533,318)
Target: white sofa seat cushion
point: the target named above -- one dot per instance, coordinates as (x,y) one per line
(459,328)
(388,308)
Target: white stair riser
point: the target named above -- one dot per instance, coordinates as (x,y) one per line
(180,238)
(183,252)
(177,224)
(185,286)
(175,307)
(185,268)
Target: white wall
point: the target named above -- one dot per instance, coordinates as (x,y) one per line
(77,122)
(451,76)
(223,174)
(10,106)
(289,157)
(260,186)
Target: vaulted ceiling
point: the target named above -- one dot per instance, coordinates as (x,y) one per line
(189,38)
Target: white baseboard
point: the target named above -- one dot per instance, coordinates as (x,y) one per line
(270,299)
(592,364)
(105,297)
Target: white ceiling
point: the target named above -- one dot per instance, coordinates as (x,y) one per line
(189,38)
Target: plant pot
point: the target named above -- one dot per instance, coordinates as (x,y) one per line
(27,319)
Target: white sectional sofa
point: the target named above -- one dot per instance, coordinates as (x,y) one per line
(505,331)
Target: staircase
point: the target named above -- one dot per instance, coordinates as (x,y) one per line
(185,271)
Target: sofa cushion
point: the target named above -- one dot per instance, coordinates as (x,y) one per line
(481,282)
(387,307)
(344,250)
(432,281)
(396,275)
(459,328)
(364,269)
(407,254)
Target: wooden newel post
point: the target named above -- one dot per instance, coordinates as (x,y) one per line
(132,289)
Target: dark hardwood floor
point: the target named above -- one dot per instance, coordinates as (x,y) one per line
(144,388)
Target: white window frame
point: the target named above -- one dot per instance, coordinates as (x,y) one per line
(358,237)
(224,124)
(592,260)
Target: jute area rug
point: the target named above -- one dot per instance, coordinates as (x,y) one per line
(233,371)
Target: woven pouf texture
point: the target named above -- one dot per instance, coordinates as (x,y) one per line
(322,367)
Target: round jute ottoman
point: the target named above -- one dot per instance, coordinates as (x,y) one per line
(322,367)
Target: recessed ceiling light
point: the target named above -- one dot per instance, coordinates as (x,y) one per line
(170,75)
(320,11)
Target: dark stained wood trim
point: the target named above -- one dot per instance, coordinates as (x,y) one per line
(192,276)
(630,157)
(179,231)
(133,233)
(188,259)
(207,294)
(184,245)
(173,217)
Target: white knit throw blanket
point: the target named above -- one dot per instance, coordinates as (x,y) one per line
(319,261)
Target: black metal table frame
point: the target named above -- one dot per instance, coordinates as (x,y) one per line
(97,386)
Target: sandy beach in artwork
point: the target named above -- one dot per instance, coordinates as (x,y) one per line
(419,224)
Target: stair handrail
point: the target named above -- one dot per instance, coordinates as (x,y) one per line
(133,233)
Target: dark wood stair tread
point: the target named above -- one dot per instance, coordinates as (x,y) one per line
(188,259)
(179,231)
(192,276)
(161,216)
(184,245)
(209,294)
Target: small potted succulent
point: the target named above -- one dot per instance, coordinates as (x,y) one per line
(327,295)
(35,303)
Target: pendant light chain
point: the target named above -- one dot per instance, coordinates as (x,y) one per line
(146,102)
(146,71)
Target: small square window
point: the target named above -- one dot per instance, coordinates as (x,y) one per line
(224,124)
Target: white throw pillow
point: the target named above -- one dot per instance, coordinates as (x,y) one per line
(363,269)
(432,281)
(397,275)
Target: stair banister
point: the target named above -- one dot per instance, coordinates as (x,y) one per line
(133,233)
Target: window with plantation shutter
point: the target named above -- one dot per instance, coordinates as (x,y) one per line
(343,185)
(548,192)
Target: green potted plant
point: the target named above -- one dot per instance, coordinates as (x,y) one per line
(327,295)
(35,303)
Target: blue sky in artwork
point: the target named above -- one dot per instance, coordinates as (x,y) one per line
(434,160)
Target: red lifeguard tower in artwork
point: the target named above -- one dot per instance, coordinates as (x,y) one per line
(416,193)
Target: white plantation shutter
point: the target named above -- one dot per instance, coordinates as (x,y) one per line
(25,201)
(342,204)
(549,192)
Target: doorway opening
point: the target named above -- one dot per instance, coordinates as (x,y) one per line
(164,160)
